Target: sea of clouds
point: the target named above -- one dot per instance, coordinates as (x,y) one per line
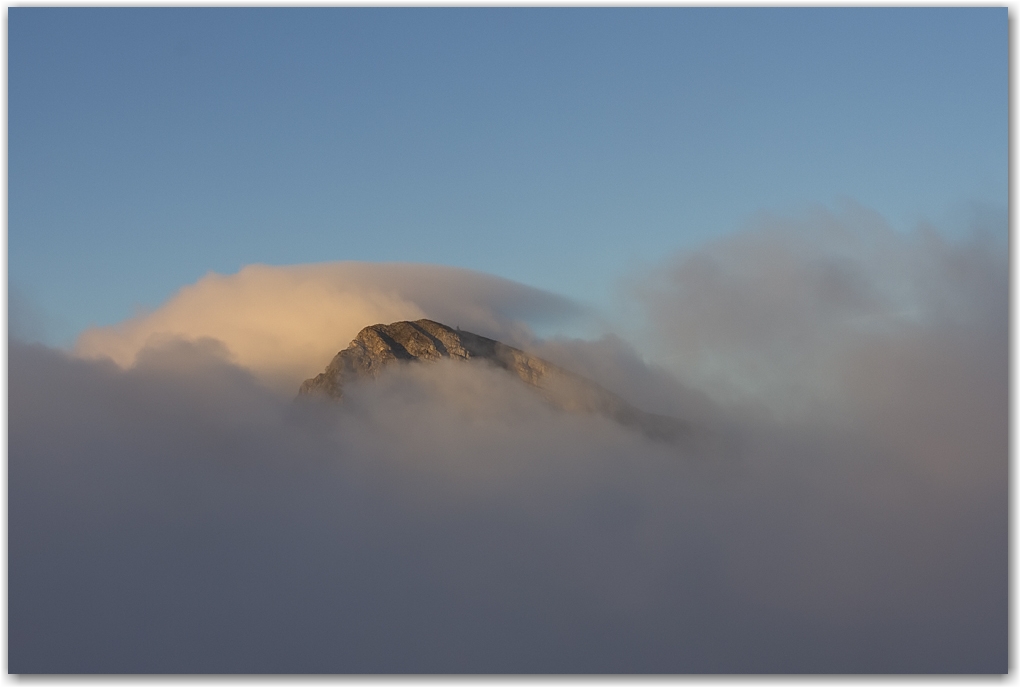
(172,509)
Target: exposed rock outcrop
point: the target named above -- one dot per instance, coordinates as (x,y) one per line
(381,345)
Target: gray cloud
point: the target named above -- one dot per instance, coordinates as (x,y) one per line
(775,312)
(25,320)
(178,516)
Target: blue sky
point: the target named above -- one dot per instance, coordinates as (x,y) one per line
(557,147)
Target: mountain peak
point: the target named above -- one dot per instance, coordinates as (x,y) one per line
(381,346)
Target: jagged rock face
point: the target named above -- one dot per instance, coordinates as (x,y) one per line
(379,346)
(383,345)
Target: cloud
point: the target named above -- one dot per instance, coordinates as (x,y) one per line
(778,312)
(25,320)
(286,323)
(177,515)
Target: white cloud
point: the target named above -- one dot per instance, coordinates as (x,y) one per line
(286,323)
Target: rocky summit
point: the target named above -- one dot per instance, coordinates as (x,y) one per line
(381,346)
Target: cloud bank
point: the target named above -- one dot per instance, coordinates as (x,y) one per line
(777,311)
(286,323)
(179,516)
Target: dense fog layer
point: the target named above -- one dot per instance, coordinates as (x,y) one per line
(848,514)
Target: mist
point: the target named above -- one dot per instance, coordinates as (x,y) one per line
(174,511)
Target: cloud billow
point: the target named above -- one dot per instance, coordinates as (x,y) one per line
(177,515)
(285,323)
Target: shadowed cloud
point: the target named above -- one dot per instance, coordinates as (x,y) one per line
(177,515)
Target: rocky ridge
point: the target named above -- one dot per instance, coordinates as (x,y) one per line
(380,346)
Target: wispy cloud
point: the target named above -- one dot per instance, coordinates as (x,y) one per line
(779,312)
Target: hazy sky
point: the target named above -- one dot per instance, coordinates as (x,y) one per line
(559,148)
(786,228)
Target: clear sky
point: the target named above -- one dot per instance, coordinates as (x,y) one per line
(557,147)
